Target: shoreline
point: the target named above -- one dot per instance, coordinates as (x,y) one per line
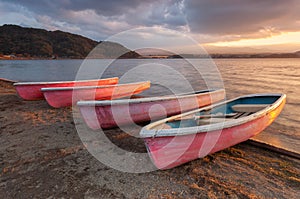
(42,156)
(274,148)
(39,58)
(255,142)
(7,80)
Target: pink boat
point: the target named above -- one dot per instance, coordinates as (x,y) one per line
(67,96)
(109,114)
(195,134)
(32,90)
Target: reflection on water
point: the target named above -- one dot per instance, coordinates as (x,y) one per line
(245,76)
(240,77)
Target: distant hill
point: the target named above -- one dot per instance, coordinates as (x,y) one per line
(259,55)
(39,43)
(230,56)
(159,53)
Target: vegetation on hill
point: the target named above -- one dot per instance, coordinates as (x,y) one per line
(39,43)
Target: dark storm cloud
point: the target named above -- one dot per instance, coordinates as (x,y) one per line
(106,8)
(241,16)
(40,7)
(214,17)
(104,14)
(161,13)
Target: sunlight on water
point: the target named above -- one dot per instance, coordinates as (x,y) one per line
(245,76)
(240,76)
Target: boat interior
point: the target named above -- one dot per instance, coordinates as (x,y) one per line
(235,109)
(140,96)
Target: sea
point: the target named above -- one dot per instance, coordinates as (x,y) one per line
(237,76)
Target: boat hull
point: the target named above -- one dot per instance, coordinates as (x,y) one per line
(109,116)
(32,90)
(170,151)
(64,97)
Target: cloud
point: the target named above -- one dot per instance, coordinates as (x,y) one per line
(207,20)
(100,20)
(242,17)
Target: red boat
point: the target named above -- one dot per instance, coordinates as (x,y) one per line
(32,90)
(195,134)
(109,114)
(67,96)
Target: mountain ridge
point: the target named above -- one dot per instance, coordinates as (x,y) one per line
(39,43)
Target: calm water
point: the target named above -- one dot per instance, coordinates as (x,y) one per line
(238,76)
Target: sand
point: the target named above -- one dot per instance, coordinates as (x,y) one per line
(42,156)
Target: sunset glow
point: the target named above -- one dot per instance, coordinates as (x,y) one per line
(242,26)
(284,38)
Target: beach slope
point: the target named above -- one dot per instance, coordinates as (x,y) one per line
(41,156)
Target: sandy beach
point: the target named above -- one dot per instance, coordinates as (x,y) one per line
(42,156)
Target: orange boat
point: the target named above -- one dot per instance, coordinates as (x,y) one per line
(67,96)
(32,90)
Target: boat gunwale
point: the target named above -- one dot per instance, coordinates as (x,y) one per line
(91,87)
(148,99)
(147,132)
(59,82)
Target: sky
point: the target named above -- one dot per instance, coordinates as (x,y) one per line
(218,26)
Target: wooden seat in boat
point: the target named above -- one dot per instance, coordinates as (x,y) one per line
(248,108)
(212,120)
